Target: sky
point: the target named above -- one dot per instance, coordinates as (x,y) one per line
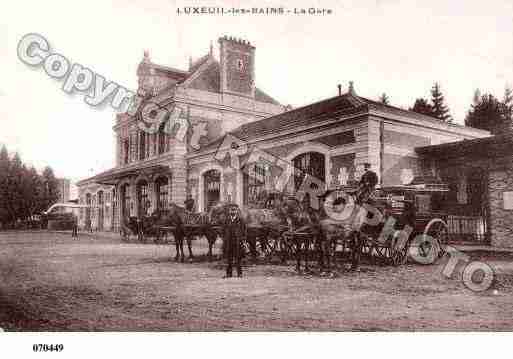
(397,47)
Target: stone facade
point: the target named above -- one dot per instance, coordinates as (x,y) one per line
(480,173)
(500,183)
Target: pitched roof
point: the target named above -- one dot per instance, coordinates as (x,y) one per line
(203,74)
(301,116)
(486,146)
(347,103)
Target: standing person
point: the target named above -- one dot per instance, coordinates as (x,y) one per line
(74,230)
(367,184)
(189,203)
(234,234)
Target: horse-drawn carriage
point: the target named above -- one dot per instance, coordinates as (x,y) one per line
(177,223)
(396,222)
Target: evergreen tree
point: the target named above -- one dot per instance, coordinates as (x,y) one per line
(4,170)
(488,114)
(13,195)
(423,106)
(384,99)
(33,192)
(440,110)
(508,105)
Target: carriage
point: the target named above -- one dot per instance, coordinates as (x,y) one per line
(416,212)
(396,223)
(144,228)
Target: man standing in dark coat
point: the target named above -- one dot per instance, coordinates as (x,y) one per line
(234,234)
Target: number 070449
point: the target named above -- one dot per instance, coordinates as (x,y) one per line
(48,347)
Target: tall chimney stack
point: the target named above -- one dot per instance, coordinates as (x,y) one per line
(339,89)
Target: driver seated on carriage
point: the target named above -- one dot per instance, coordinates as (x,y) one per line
(366,185)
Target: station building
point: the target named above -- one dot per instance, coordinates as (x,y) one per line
(330,140)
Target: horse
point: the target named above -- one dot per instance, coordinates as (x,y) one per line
(335,220)
(264,228)
(188,224)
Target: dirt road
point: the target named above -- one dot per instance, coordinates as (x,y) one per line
(48,282)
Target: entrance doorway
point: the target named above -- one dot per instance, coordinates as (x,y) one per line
(143,203)
(88,212)
(125,201)
(212,188)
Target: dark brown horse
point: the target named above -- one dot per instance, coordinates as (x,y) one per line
(189,225)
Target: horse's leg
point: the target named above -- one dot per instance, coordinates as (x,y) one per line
(178,239)
(356,251)
(189,246)
(182,255)
(307,249)
(298,254)
(211,238)
(319,248)
(252,240)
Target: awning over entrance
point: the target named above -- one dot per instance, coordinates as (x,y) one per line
(113,176)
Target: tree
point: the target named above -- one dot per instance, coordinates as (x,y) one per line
(488,114)
(13,195)
(384,99)
(423,106)
(50,188)
(508,104)
(440,110)
(4,170)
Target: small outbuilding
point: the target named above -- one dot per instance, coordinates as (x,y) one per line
(480,175)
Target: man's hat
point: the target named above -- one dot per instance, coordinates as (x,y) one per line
(367,164)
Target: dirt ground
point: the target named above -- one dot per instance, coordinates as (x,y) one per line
(48,282)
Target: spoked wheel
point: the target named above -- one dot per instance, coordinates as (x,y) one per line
(438,231)
(429,248)
(270,246)
(399,256)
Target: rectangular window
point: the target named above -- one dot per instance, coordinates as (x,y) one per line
(142,145)
(162,142)
(254,183)
(126,150)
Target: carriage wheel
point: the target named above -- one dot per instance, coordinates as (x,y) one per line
(399,257)
(438,230)
(270,246)
(434,249)
(382,252)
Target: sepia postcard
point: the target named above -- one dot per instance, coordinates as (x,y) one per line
(258,167)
